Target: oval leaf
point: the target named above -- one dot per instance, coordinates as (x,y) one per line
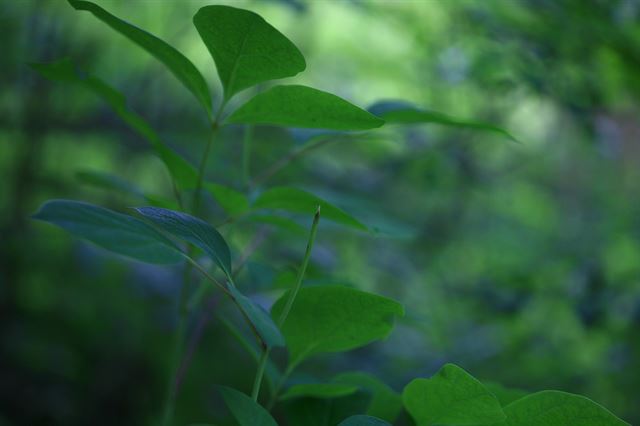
(264,325)
(246,49)
(334,319)
(361,420)
(193,230)
(244,409)
(552,408)
(298,201)
(177,63)
(113,231)
(302,106)
(451,397)
(319,390)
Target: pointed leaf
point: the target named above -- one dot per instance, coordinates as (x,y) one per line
(451,397)
(552,408)
(246,49)
(244,409)
(298,201)
(319,390)
(177,63)
(113,231)
(193,230)
(334,319)
(233,202)
(264,325)
(302,106)
(403,113)
(361,420)
(385,403)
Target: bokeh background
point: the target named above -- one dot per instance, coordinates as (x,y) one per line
(518,261)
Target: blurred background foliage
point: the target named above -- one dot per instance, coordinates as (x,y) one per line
(518,261)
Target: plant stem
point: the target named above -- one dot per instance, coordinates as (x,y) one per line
(285,312)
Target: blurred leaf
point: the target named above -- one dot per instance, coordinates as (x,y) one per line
(246,49)
(109,181)
(361,420)
(302,106)
(264,325)
(505,395)
(193,230)
(298,201)
(280,222)
(177,63)
(451,397)
(385,403)
(244,409)
(319,390)
(116,232)
(552,408)
(399,112)
(325,412)
(233,202)
(334,319)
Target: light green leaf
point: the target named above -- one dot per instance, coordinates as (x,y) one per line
(183,173)
(403,113)
(555,408)
(113,231)
(302,106)
(246,49)
(361,420)
(264,325)
(193,230)
(298,201)
(245,410)
(385,403)
(334,319)
(451,397)
(280,222)
(177,63)
(233,202)
(319,390)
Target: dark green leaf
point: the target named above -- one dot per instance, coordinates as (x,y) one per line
(193,230)
(298,201)
(505,395)
(246,49)
(233,202)
(264,325)
(361,420)
(244,409)
(177,63)
(555,408)
(302,106)
(324,412)
(402,113)
(319,390)
(116,232)
(385,403)
(451,397)
(334,319)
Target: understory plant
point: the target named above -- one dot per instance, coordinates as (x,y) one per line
(305,321)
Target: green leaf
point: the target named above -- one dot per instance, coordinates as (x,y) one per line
(233,202)
(323,411)
(302,106)
(183,173)
(334,319)
(361,420)
(193,230)
(403,113)
(113,231)
(555,408)
(385,403)
(264,325)
(319,390)
(108,181)
(246,49)
(298,201)
(177,63)
(451,397)
(244,409)
(505,395)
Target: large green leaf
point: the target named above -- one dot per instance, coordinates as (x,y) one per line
(246,49)
(296,200)
(319,390)
(555,408)
(385,402)
(183,173)
(302,106)
(193,230)
(361,420)
(233,202)
(403,113)
(505,395)
(264,325)
(451,397)
(333,319)
(245,410)
(177,63)
(114,231)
